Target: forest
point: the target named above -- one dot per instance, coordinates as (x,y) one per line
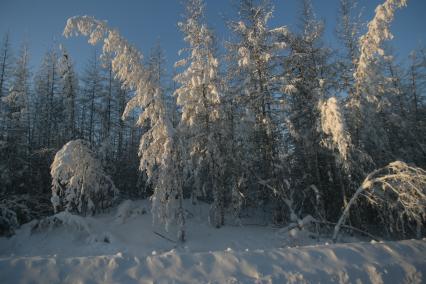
(277,122)
(272,125)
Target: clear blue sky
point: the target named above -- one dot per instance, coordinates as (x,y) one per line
(142,22)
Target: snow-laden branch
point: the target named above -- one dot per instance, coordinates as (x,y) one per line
(126,62)
(333,125)
(127,66)
(371,42)
(395,190)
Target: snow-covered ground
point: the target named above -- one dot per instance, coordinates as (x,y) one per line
(121,247)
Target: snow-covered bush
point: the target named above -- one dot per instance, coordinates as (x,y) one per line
(16,210)
(62,219)
(79,183)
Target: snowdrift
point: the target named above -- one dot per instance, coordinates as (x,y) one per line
(393,262)
(122,247)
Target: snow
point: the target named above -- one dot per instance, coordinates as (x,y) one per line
(111,249)
(268,132)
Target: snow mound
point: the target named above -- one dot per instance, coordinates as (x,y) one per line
(392,262)
(67,248)
(62,219)
(128,209)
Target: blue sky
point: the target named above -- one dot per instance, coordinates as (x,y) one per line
(143,22)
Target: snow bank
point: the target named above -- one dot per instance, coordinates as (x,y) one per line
(123,246)
(392,262)
(66,219)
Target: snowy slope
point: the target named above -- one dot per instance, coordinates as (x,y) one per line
(120,247)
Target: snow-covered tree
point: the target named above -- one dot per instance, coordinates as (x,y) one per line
(69,92)
(402,139)
(107,104)
(348,31)
(93,87)
(16,106)
(159,144)
(254,54)
(315,124)
(417,85)
(6,67)
(416,101)
(198,95)
(370,82)
(371,42)
(49,103)
(79,184)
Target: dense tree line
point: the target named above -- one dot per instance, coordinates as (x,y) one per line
(41,112)
(277,122)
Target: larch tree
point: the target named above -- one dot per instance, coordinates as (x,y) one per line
(415,86)
(69,92)
(93,88)
(348,31)
(198,95)
(6,67)
(370,82)
(312,115)
(254,56)
(49,115)
(159,146)
(17,121)
(5,63)
(108,101)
